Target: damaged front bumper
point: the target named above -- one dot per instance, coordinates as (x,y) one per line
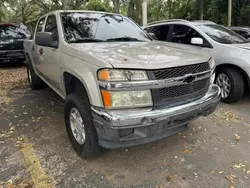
(124,128)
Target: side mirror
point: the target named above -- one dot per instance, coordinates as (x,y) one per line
(197,41)
(152,35)
(46,39)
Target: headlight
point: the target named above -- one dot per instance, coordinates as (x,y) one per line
(126,99)
(121,75)
(212,63)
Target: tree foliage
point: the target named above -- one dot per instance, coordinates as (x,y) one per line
(96,5)
(27,11)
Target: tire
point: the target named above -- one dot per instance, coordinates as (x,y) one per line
(237,85)
(34,81)
(90,147)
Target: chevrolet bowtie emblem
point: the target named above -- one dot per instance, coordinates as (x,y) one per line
(189,78)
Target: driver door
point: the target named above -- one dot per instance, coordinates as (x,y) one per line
(51,55)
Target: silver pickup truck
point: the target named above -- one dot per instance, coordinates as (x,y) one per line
(120,87)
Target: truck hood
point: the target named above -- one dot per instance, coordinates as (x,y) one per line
(143,55)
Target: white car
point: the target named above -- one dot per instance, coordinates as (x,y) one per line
(230,51)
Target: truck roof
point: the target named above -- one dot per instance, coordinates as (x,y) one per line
(85,11)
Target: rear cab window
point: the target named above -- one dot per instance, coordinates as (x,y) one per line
(51,26)
(40,25)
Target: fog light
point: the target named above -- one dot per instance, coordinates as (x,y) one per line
(125,132)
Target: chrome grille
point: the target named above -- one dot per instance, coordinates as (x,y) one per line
(180,71)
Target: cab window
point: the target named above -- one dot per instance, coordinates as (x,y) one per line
(183,34)
(161,32)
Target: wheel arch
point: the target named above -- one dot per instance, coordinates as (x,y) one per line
(74,83)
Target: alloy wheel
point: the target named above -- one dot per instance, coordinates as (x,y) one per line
(223,82)
(77,125)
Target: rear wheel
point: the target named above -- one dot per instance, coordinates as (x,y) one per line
(231,83)
(34,81)
(80,127)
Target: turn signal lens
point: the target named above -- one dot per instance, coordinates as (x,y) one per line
(106,97)
(121,75)
(103,75)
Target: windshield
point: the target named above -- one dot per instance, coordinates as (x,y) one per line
(221,34)
(98,27)
(10,31)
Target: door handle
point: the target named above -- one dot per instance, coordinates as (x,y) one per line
(41,51)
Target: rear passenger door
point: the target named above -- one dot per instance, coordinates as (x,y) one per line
(36,49)
(162,32)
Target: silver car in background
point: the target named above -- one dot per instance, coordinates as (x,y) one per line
(230,51)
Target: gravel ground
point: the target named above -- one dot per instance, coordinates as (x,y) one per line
(12,78)
(35,150)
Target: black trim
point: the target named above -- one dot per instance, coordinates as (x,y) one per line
(179,100)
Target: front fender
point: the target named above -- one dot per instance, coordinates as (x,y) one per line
(86,73)
(227,54)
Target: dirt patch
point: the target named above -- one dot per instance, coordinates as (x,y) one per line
(12,78)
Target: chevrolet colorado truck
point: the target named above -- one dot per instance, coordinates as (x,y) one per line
(120,87)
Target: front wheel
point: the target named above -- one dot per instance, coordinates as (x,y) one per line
(231,83)
(80,127)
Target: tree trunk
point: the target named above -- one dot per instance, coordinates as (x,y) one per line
(138,11)
(135,10)
(116,4)
(201,9)
(144,12)
(170,9)
(131,7)
(229,12)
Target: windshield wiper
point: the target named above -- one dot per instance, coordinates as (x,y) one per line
(83,40)
(123,39)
